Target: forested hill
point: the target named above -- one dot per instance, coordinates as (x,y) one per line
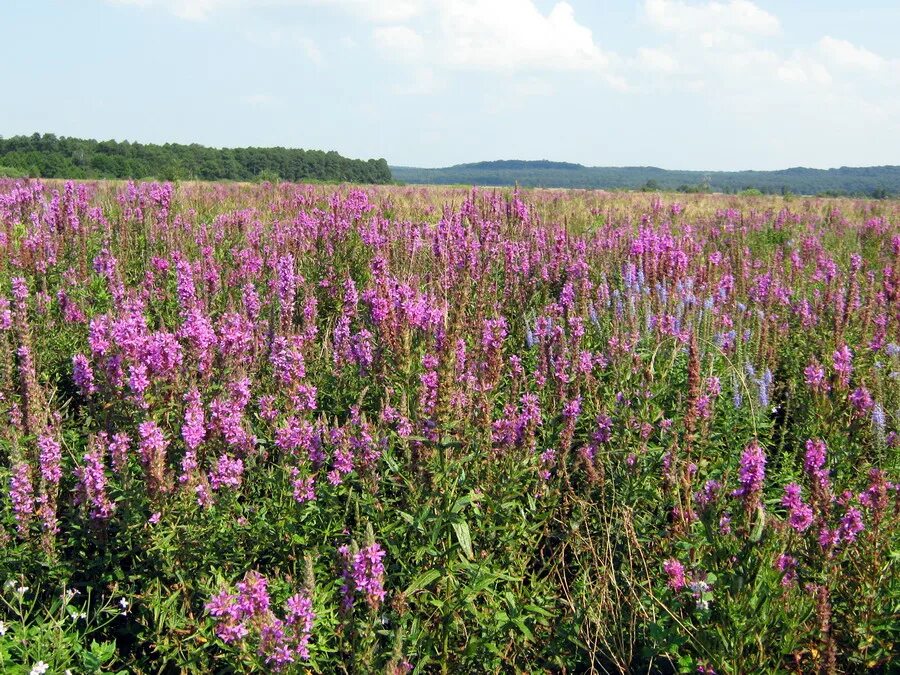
(879,181)
(49,156)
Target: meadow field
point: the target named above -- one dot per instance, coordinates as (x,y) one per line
(286,428)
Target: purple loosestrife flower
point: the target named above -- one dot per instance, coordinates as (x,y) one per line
(19,290)
(709,495)
(304,487)
(363,574)
(287,360)
(267,409)
(828,538)
(83,375)
(875,497)
(228,473)
(299,614)
(286,286)
(92,481)
(193,431)
(21,494)
(675,572)
(152,450)
(814,375)
(851,525)
(5,314)
(51,458)
(842,360)
(800,514)
(253,594)
(861,400)
(814,466)
(162,354)
(250,299)
(429,381)
(99,337)
(368,574)
(273,644)
(138,380)
(751,474)
(118,450)
(788,566)
(187,292)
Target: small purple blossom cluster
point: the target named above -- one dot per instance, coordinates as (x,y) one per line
(246,617)
(363,575)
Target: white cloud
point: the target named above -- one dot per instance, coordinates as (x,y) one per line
(506,35)
(288,37)
(846,54)
(422,82)
(802,69)
(712,23)
(399,43)
(379,11)
(533,86)
(494,35)
(382,11)
(311,49)
(656,60)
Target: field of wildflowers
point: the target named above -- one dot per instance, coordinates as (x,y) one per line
(259,428)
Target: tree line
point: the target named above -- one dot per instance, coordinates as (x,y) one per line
(50,156)
(875,181)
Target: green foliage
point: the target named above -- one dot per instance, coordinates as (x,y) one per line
(50,156)
(508,547)
(877,181)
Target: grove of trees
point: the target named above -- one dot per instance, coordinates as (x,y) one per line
(50,156)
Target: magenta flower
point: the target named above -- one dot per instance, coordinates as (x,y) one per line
(815,377)
(851,525)
(364,575)
(92,481)
(814,466)
(83,375)
(675,571)
(800,514)
(842,360)
(788,566)
(228,473)
(21,494)
(751,474)
(51,458)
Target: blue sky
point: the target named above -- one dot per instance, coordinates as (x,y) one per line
(681,84)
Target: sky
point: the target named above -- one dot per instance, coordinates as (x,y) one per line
(679,84)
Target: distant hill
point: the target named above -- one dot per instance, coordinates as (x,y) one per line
(879,181)
(49,156)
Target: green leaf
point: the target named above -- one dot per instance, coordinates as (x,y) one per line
(461,503)
(464,538)
(538,610)
(760,525)
(422,581)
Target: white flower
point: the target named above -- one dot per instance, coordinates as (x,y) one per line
(39,668)
(10,583)
(2,628)
(22,590)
